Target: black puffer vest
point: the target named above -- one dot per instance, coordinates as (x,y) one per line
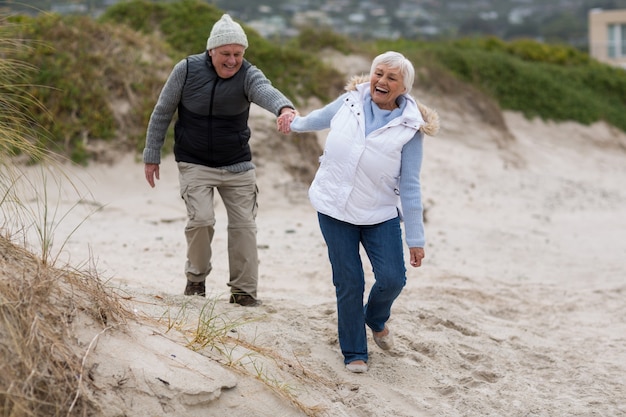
(212,126)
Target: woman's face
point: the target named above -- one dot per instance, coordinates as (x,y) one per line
(386,84)
(227,59)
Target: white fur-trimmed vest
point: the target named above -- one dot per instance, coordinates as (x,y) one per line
(358,178)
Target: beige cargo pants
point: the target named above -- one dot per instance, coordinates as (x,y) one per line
(238,191)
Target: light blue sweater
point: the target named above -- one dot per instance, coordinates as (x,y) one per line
(411,162)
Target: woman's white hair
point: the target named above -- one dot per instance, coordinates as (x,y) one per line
(398,61)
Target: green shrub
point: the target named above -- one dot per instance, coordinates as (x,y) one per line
(92,78)
(64,82)
(534,51)
(315,39)
(186,25)
(552,82)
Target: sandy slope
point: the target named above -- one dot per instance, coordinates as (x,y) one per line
(518,310)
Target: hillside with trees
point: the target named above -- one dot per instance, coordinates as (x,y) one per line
(564,22)
(98,79)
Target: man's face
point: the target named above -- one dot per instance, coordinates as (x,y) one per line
(227,59)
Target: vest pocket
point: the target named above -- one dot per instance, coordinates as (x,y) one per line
(389,189)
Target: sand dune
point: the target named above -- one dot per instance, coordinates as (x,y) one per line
(518,310)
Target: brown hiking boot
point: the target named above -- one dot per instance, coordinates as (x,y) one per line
(195,288)
(245,300)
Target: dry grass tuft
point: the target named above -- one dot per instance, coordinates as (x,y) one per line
(286,377)
(42,368)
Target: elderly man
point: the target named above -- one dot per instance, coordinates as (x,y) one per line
(212,92)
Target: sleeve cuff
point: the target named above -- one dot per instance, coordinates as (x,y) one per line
(151,156)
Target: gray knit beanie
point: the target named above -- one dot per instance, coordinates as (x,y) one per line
(225,31)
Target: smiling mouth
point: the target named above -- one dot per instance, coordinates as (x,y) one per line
(381,90)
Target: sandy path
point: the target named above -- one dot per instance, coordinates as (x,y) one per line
(519,309)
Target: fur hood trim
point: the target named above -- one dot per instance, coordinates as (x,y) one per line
(430,116)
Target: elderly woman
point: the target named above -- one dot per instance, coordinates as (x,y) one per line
(367,182)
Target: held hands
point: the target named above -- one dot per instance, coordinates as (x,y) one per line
(417,254)
(283,123)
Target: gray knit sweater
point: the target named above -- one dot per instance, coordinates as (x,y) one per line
(259,91)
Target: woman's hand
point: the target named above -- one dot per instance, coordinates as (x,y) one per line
(417,254)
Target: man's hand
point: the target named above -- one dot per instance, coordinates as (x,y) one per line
(283,123)
(152,172)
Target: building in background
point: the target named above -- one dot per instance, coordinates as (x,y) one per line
(607,36)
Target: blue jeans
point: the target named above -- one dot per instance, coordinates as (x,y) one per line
(383,244)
